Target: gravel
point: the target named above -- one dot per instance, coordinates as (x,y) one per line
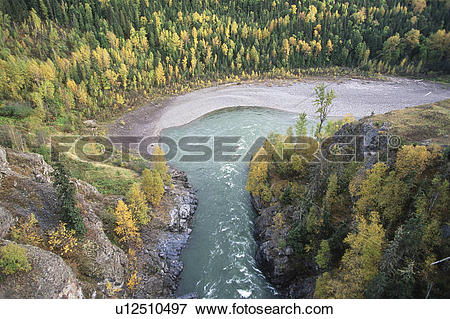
(355,96)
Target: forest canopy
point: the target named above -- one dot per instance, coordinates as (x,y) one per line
(72,60)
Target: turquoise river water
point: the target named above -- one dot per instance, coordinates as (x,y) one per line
(219,260)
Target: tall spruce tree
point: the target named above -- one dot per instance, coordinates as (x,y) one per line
(69,212)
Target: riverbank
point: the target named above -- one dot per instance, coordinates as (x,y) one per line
(304,224)
(359,97)
(164,239)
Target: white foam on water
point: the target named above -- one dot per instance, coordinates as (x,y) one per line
(244,293)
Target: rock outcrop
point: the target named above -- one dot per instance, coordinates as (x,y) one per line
(162,253)
(278,263)
(7,221)
(49,278)
(101,259)
(26,187)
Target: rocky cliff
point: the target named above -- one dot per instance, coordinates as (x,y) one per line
(26,187)
(160,258)
(293,275)
(281,267)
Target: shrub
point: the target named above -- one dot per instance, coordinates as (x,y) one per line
(278,222)
(266,194)
(45,152)
(153,186)
(298,164)
(133,278)
(136,165)
(19,111)
(13,258)
(62,241)
(284,169)
(27,232)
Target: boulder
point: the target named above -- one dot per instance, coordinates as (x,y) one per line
(49,278)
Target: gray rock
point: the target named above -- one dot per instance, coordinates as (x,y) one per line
(191,295)
(289,251)
(3,161)
(181,214)
(164,259)
(7,221)
(26,188)
(49,278)
(30,165)
(101,259)
(90,124)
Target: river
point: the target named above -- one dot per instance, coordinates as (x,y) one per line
(219,260)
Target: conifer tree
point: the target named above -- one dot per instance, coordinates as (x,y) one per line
(69,212)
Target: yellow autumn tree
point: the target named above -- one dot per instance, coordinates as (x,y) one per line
(126,227)
(160,76)
(412,161)
(419,5)
(138,205)
(160,165)
(153,186)
(285,48)
(257,177)
(371,186)
(360,262)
